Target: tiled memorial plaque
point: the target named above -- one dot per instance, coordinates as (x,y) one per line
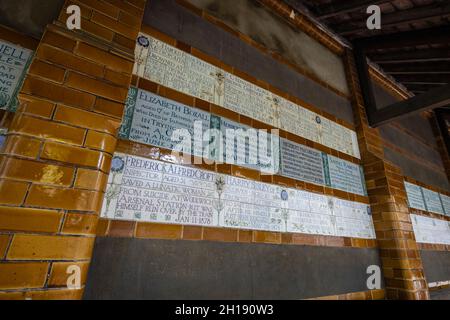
(174,68)
(432,201)
(248,204)
(301,163)
(14,62)
(245,98)
(344,175)
(310,213)
(147,190)
(244,146)
(446,204)
(152,119)
(430,230)
(353,219)
(415,196)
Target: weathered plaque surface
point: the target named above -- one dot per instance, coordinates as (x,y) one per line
(415,196)
(244,146)
(151,119)
(344,175)
(430,230)
(446,204)
(245,98)
(14,62)
(301,163)
(147,190)
(353,219)
(432,201)
(176,69)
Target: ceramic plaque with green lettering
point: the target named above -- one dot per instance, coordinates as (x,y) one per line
(14,62)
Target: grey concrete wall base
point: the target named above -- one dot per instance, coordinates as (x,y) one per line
(125,268)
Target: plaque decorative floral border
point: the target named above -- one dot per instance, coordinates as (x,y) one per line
(283,209)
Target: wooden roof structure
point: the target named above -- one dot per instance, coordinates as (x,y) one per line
(413,46)
(419,63)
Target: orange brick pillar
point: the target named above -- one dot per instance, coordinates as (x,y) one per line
(400,256)
(55,164)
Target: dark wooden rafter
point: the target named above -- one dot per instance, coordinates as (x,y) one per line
(425,55)
(364,80)
(326,11)
(418,67)
(420,87)
(425,78)
(435,98)
(397,18)
(418,56)
(429,36)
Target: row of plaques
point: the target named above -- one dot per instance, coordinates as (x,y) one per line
(430,230)
(14,62)
(154,120)
(146,190)
(176,69)
(427,200)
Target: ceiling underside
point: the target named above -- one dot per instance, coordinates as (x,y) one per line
(418,60)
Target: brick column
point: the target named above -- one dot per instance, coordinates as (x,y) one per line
(400,256)
(55,164)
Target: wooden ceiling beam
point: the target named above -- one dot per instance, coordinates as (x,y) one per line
(334,9)
(427,55)
(421,87)
(417,68)
(397,18)
(428,36)
(437,79)
(435,98)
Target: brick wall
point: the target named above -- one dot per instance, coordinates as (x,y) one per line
(55,164)
(401,260)
(58,150)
